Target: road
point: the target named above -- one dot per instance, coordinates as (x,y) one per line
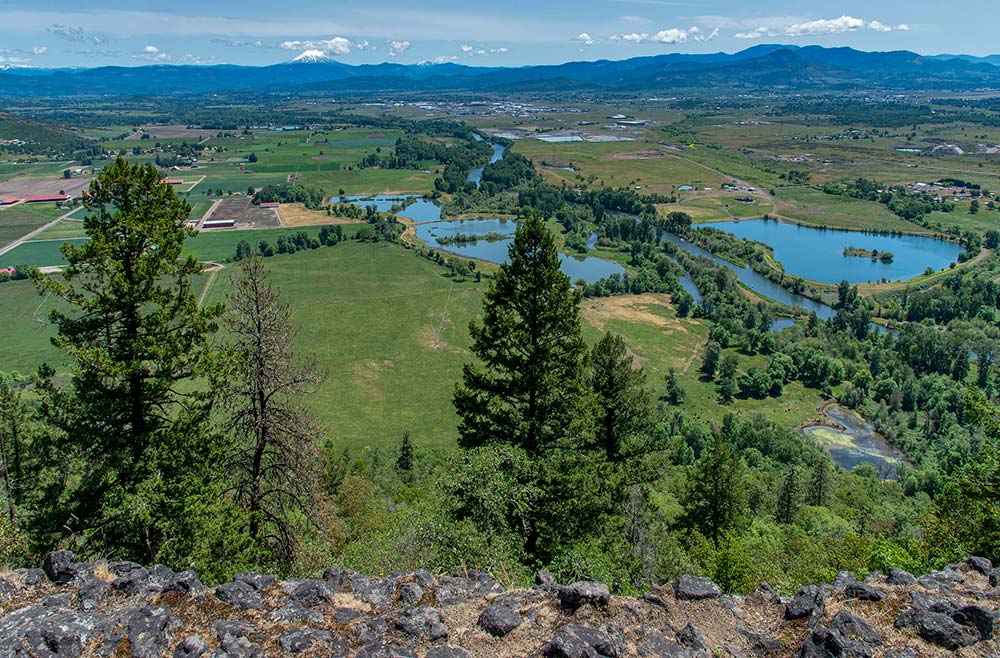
(25,238)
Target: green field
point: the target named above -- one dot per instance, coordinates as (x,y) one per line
(20,220)
(718,208)
(815,208)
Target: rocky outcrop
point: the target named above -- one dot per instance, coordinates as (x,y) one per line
(70,608)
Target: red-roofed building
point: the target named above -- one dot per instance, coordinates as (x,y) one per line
(174,181)
(7,202)
(270,204)
(44,199)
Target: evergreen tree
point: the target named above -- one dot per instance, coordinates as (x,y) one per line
(404,458)
(674,393)
(622,399)
(788,496)
(716,497)
(529,388)
(819,481)
(727,378)
(129,422)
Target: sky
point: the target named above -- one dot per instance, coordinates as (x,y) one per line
(61,33)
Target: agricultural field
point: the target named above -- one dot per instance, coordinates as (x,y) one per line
(812,207)
(719,208)
(16,221)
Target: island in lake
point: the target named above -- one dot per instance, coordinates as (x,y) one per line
(874,254)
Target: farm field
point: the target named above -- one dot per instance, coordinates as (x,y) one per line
(816,208)
(718,208)
(21,219)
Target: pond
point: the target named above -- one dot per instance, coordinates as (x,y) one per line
(476,175)
(417,208)
(756,282)
(818,254)
(588,268)
(856,443)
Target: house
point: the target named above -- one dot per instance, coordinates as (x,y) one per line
(7,202)
(47,199)
(270,204)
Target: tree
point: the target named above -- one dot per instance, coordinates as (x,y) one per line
(404,458)
(674,394)
(623,403)
(788,496)
(974,207)
(272,458)
(715,498)
(819,480)
(130,423)
(713,352)
(529,388)
(727,377)
(243,250)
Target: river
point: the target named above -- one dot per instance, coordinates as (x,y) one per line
(856,443)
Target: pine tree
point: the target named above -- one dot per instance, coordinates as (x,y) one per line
(727,378)
(713,352)
(137,340)
(622,399)
(788,496)
(529,388)
(716,497)
(404,458)
(819,481)
(674,393)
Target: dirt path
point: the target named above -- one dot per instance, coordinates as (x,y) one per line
(25,238)
(208,214)
(212,272)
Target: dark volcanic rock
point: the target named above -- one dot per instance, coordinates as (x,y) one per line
(938,628)
(981,564)
(863,592)
(60,567)
(761,643)
(498,620)
(573,596)
(258,581)
(311,593)
(545,580)
(900,577)
(653,644)
(191,647)
(239,594)
(831,643)
(978,617)
(695,588)
(808,602)
(575,641)
(424,622)
(855,628)
(150,631)
(297,640)
(379,650)
(448,651)
(692,638)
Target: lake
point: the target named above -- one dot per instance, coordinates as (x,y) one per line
(818,254)
(418,209)
(588,268)
(857,443)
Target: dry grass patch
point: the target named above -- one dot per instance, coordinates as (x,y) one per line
(296,214)
(647,308)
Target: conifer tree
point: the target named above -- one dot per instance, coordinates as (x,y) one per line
(623,403)
(788,496)
(716,497)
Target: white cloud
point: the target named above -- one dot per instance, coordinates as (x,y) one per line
(584,38)
(364,45)
(397,47)
(14,60)
(333,46)
(880,27)
(669,36)
(152,50)
(39,50)
(752,34)
(67,32)
(825,26)
(467,48)
(442,59)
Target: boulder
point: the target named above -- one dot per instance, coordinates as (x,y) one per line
(808,602)
(498,620)
(843,579)
(379,650)
(448,651)
(258,581)
(311,593)
(900,577)
(297,640)
(239,594)
(411,593)
(293,611)
(150,631)
(191,647)
(831,643)
(855,628)
(423,623)
(761,643)
(582,593)
(695,588)
(863,592)
(545,580)
(653,644)
(575,641)
(938,628)
(692,638)
(60,567)
(978,617)
(980,564)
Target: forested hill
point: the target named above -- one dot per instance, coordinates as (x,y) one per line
(760,67)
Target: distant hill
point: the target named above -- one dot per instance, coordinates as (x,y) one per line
(766,66)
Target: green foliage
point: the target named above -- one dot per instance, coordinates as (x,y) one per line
(715,500)
(624,405)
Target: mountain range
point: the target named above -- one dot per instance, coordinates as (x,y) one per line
(763,67)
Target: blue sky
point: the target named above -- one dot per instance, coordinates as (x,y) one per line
(58,33)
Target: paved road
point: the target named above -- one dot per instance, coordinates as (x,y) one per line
(24,238)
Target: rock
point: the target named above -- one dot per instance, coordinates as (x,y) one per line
(981,564)
(131,580)
(652,644)
(692,638)
(941,579)
(582,593)
(411,593)
(242,648)
(855,628)
(424,622)
(191,647)
(765,594)
(60,567)
(654,599)
(150,631)
(545,580)
(229,630)
(575,641)
(92,593)
(293,611)
(56,635)
(978,617)
(371,631)
(995,578)
(498,620)
(56,601)
(346,615)
(695,588)
(831,643)
(187,582)
(730,604)
(863,592)
(843,579)
(338,579)
(379,650)
(938,628)
(761,644)
(448,651)
(311,593)
(258,581)
(900,577)
(297,640)
(239,594)
(808,602)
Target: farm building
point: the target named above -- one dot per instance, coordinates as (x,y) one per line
(219,223)
(47,199)
(174,181)
(270,204)
(7,202)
